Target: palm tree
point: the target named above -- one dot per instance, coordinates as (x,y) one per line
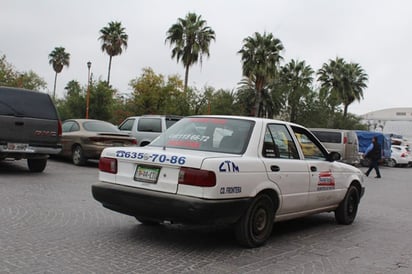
(260,59)
(297,78)
(58,58)
(355,82)
(344,81)
(191,39)
(114,40)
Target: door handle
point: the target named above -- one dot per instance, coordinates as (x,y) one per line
(313,168)
(275,168)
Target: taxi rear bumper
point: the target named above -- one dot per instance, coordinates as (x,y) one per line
(159,206)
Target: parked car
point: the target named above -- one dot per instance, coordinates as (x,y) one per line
(340,140)
(228,170)
(400,156)
(84,139)
(30,127)
(146,128)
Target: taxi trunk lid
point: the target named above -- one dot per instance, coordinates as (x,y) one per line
(151,168)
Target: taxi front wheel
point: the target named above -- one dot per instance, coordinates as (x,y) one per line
(346,212)
(255,226)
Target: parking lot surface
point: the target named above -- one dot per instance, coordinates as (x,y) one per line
(49,223)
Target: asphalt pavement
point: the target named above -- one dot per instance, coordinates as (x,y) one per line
(49,223)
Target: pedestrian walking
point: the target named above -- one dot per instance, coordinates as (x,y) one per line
(374,154)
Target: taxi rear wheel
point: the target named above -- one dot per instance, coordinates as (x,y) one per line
(346,212)
(255,226)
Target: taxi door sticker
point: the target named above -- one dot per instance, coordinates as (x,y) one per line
(326,181)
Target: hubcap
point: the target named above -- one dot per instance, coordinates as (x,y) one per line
(260,221)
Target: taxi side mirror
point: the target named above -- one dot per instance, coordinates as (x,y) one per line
(334,156)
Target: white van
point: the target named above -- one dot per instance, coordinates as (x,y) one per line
(340,140)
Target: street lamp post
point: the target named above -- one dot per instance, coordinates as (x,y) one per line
(89,65)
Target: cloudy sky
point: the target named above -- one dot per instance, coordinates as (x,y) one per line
(376,34)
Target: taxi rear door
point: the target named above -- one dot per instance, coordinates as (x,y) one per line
(285,168)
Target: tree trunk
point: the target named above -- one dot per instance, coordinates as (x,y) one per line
(186,78)
(259,91)
(108,72)
(345,110)
(54,88)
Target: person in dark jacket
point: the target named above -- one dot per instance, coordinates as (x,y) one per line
(374,154)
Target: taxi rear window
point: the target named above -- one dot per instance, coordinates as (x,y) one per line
(208,134)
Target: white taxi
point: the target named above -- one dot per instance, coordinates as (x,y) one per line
(244,171)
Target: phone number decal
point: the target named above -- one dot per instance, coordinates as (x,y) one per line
(161,158)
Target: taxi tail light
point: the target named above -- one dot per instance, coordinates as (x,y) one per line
(403,155)
(197,177)
(108,165)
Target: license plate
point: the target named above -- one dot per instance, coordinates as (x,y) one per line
(147,174)
(17,147)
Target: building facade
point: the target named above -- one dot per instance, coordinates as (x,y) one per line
(391,121)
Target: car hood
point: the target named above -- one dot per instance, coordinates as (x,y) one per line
(342,167)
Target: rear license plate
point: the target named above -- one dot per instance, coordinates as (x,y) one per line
(17,147)
(147,174)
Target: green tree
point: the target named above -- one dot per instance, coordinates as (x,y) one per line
(191,39)
(147,92)
(101,101)
(200,102)
(30,80)
(245,98)
(10,77)
(343,81)
(355,83)
(296,77)
(175,98)
(223,102)
(58,58)
(153,94)
(73,104)
(114,39)
(8,74)
(260,60)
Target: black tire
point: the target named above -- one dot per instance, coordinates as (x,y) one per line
(255,226)
(78,156)
(346,212)
(36,165)
(391,163)
(145,221)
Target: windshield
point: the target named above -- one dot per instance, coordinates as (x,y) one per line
(225,135)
